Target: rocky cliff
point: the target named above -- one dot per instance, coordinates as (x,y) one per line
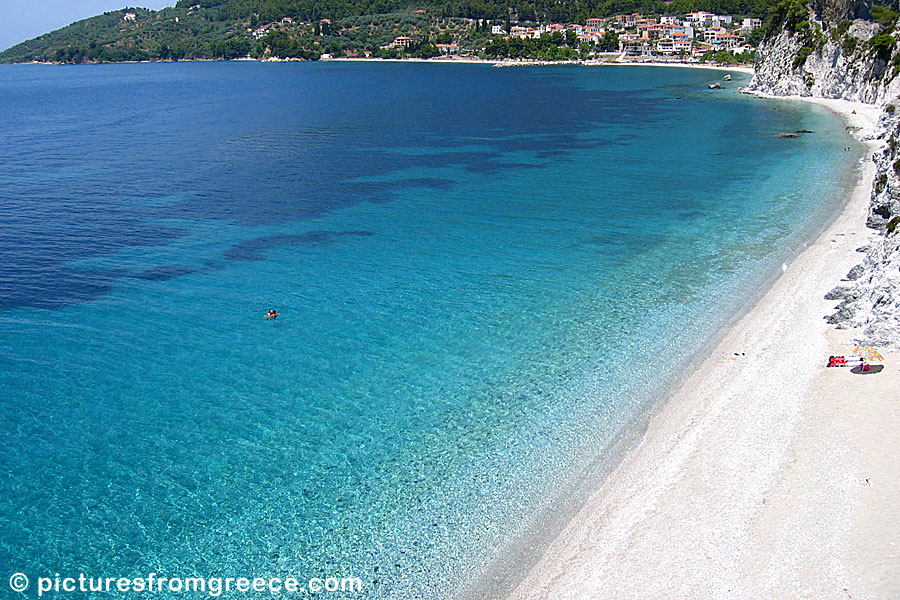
(870,296)
(835,11)
(828,55)
(835,69)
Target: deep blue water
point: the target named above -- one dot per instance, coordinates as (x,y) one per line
(486,277)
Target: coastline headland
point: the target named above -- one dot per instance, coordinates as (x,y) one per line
(765,474)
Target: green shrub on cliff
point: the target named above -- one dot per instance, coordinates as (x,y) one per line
(892,225)
(796,15)
(788,14)
(883,45)
(884,15)
(840,29)
(801,57)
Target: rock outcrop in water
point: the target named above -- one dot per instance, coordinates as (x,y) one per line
(830,56)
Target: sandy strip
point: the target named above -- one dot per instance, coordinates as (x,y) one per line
(765,475)
(452,60)
(445,60)
(713,67)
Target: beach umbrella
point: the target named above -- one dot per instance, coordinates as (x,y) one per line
(867,353)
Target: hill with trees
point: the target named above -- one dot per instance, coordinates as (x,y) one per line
(306,29)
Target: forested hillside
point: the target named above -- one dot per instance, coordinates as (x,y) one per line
(226,29)
(565,11)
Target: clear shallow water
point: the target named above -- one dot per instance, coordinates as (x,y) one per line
(485,276)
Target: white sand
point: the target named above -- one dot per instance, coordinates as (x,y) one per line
(450,60)
(438,60)
(627,63)
(751,482)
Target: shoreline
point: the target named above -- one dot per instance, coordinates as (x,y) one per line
(705,506)
(442,61)
(538,63)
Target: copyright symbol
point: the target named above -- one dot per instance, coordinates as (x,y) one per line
(18,582)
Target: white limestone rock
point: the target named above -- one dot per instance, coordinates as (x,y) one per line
(870,297)
(830,71)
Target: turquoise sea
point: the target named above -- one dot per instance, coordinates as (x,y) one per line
(487,279)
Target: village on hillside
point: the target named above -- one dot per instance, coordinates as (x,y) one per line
(198,32)
(695,35)
(689,38)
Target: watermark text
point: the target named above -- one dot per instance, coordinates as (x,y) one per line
(211,586)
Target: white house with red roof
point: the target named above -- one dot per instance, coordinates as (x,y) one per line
(593,25)
(700,18)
